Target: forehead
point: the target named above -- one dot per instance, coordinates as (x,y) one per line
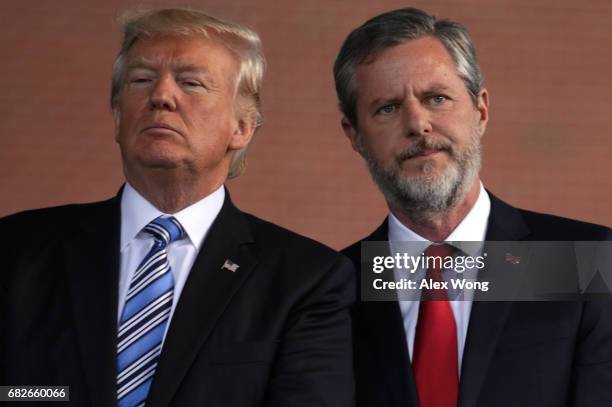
(416,63)
(177,52)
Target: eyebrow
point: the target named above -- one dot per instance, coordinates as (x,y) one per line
(179,67)
(432,88)
(437,87)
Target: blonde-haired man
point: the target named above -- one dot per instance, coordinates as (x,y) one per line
(168,294)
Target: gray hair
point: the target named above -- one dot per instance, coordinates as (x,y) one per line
(393,28)
(243,42)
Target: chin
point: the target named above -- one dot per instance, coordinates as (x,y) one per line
(426,170)
(167,161)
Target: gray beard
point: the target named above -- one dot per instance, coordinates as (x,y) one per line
(426,196)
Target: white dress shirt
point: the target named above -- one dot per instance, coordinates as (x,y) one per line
(137,212)
(472,228)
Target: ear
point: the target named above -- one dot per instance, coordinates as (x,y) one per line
(483,108)
(351,133)
(116,121)
(244,128)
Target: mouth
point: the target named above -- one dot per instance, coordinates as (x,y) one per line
(425,153)
(160,128)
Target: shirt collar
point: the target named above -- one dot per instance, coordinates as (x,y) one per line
(473,228)
(196,219)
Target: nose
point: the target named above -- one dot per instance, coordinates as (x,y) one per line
(417,119)
(163,94)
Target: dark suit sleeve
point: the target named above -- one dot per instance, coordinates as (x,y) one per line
(3,323)
(592,372)
(314,361)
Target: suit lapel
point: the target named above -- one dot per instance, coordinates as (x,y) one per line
(487,319)
(92,263)
(207,292)
(383,330)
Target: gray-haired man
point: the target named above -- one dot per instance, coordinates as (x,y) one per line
(415,108)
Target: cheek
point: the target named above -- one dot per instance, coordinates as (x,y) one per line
(122,123)
(381,149)
(125,125)
(130,114)
(452,129)
(373,136)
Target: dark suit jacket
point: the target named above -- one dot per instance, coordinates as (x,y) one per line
(276,332)
(516,354)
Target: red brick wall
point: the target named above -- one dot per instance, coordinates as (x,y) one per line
(547,66)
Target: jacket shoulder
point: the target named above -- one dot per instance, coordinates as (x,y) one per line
(551,227)
(47,223)
(36,216)
(288,258)
(286,242)
(353,252)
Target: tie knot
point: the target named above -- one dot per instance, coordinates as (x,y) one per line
(167,230)
(436,255)
(439,250)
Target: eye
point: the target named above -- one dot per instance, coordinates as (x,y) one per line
(437,99)
(190,83)
(387,109)
(140,80)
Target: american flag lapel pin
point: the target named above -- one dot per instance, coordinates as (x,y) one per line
(512,259)
(230,265)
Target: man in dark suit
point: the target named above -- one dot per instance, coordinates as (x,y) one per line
(414,107)
(168,294)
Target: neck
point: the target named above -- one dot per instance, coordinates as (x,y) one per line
(439,226)
(171,192)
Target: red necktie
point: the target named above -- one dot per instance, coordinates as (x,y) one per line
(435,344)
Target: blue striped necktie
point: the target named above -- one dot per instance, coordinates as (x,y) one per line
(145,316)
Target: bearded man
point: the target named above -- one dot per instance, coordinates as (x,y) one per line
(414,107)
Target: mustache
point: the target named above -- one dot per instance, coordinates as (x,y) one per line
(422,144)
